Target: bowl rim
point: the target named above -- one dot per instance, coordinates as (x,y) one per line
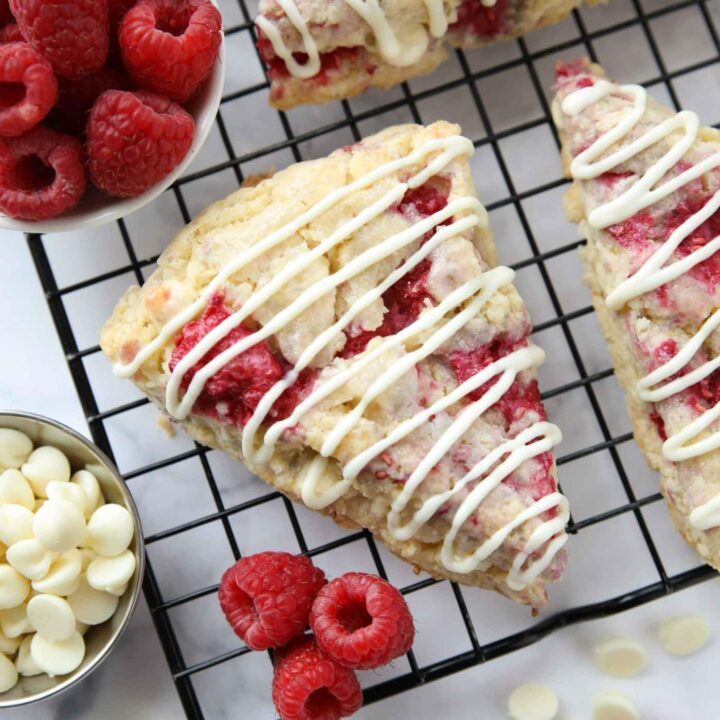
(119,208)
(74,678)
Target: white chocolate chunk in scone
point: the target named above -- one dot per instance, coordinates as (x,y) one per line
(341,327)
(646,195)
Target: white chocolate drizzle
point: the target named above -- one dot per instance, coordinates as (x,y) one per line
(390,48)
(656,271)
(321,485)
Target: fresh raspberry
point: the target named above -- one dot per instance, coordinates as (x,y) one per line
(362,621)
(77,97)
(135,139)
(10,34)
(267,597)
(116,12)
(309,685)
(5,14)
(170,46)
(28,88)
(42,174)
(71,34)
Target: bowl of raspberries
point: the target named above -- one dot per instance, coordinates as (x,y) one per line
(103,105)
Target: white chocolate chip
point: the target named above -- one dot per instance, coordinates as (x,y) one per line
(104,573)
(533,702)
(15,448)
(8,646)
(24,663)
(92,606)
(44,465)
(87,556)
(85,480)
(63,578)
(70,492)
(110,530)
(15,489)
(117,590)
(30,558)
(14,588)
(52,617)
(620,657)
(58,658)
(684,634)
(8,673)
(16,524)
(614,706)
(14,622)
(59,525)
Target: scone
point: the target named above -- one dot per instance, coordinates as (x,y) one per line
(646,195)
(320,51)
(340,327)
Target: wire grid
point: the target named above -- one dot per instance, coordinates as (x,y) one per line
(582,42)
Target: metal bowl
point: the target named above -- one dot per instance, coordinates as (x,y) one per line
(101,639)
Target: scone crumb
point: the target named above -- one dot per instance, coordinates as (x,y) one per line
(164,423)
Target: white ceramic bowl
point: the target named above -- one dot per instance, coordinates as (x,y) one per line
(101,639)
(97,208)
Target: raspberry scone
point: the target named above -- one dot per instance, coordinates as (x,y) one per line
(646,195)
(321,51)
(341,328)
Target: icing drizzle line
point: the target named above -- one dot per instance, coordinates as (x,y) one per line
(644,192)
(323,483)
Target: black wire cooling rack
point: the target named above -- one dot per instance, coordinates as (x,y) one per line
(650,20)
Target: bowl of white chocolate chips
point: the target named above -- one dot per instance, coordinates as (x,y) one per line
(71,557)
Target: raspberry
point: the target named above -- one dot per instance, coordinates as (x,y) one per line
(77,98)
(170,46)
(134,140)
(5,14)
(28,88)
(71,34)
(309,685)
(362,621)
(267,597)
(10,34)
(42,174)
(116,11)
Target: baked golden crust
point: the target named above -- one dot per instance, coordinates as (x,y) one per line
(636,333)
(251,214)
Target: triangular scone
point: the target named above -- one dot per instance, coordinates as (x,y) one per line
(364,283)
(646,195)
(318,51)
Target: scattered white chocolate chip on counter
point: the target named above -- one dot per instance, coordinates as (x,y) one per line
(620,657)
(63,578)
(58,658)
(15,489)
(14,622)
(104,573)
(52,617)
(684,634)
(614,706)
(88,483)
(16,523)
(59,525)
(92,606)
(30,558)
(8,673)
(15,449)
(110,530)
(14,588)
(44,465)
(533,702)
(24,662)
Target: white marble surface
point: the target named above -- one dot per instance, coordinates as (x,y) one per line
(606,559)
